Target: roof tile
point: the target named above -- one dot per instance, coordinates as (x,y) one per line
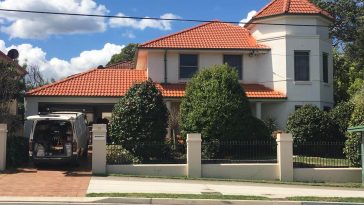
(212,35)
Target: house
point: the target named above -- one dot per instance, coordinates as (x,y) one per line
(282,66)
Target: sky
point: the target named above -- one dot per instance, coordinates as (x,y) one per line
(64,45)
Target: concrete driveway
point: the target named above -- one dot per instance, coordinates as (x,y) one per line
(51,180)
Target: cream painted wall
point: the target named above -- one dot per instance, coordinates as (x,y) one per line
(336,175)
(148,169)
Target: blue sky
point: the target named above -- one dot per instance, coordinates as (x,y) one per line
(57,41)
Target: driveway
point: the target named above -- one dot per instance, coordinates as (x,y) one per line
(60,180)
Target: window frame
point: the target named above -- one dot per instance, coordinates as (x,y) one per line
(241,61)
(325,76)
(308,69)
(179,64)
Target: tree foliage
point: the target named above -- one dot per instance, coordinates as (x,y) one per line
(216,106)
(309,123)
(10,88)
(138,119)
(341,115)
(126,54)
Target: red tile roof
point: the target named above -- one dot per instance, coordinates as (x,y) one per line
(278,7)
(212,35)
(115,82)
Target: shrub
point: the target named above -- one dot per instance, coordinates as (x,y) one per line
(17,151)
(116,154)
(309,123)
(352,144)
(341,115)
(216,106)
(138,118)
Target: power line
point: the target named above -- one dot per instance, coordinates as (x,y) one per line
(152,18)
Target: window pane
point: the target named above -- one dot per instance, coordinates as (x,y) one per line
(325,67)
(235,61)
(187,72)
(301,66)
(188,60)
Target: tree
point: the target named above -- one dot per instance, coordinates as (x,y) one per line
(34,78)
(341,115)
(352,144)
(309,123)
(126,54)
(139,119)
(10,84)
(216,106)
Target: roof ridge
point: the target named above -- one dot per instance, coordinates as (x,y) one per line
(264,8)
(60,81)
(287,4)
(177,33)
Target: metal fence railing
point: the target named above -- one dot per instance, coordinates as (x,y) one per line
(146,153)
(239,152)
(319,155)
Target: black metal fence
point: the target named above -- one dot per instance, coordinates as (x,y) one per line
(319,155)
(146,153)
(239,152)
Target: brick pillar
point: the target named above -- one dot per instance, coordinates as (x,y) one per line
(99,149)
(194,155)
(285,156)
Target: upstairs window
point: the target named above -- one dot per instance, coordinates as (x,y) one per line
(236,62)
(325,67)
(188,65)
(301,66)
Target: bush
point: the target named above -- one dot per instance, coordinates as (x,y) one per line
(138,118)
(116,154)
(352,144)
(17,151)
(341,115)
(214,105)
(309,123)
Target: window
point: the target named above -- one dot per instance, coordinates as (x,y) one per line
(325,67)
(297,107)
(327,108)
(301,66)
(188,65)
(235,61)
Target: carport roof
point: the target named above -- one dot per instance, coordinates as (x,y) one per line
(111,82)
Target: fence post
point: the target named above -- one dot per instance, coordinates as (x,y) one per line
(285,156)
(99,149)
(362,158)
(3,136)
(194,155)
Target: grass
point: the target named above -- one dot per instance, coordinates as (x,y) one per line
(304,161)
(179,196)
(226,197)
(326,199)
(344,185)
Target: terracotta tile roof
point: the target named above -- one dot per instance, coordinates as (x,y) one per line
(115,82)
(122,65)
(278,7)
(95,82)
(212,35)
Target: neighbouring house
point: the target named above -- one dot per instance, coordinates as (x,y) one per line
(281,66)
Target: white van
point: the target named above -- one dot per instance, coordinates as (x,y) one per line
(58,136)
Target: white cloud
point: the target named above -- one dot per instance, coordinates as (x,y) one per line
(248,17)
(38,26)
(129,34)
(144,23)
(59,68)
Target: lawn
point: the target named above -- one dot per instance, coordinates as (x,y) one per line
(304,162)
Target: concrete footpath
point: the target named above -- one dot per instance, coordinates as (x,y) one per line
(112,184)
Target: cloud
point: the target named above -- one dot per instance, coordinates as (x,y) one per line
(129,34)
(144,23)
(59,68)
(39,26)
(248,17)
